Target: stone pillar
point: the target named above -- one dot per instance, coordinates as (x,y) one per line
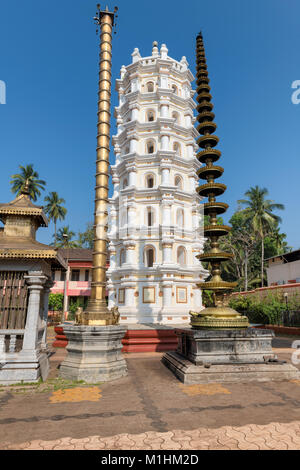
(129,294)
(131,215)
(113,260)
(166,214)
(165,142)
(165,174)
(113,231)
(135,84)
(192,186)
(49,283)
(134,112)
(188,120)
(167,246)
(133,145)
(197,298)
(111,295)
(116,183)
(164,111)
(35,281)
(190,151)
(130,252)
(132,176)
(167,293)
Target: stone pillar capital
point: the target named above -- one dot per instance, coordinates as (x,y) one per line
(35,280)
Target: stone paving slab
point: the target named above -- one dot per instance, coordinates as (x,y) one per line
(273,436)
(148,408)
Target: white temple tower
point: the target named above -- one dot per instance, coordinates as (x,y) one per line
(154,232)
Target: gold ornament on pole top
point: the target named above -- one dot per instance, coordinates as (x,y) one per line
(97,312)
(219,316)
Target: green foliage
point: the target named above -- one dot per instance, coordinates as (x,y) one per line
(64,238)
(54,209)
(255,236)
(265,310)
(56,302)
(207,298)
(86,239)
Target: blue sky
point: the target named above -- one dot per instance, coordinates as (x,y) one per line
(49,62)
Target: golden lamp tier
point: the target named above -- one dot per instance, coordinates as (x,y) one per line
(219,316)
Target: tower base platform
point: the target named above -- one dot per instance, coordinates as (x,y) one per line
(142,337)
(94,353)
(246,355)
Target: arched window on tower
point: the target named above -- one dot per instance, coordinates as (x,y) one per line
(125,183)
(150,146)
(150,87)
(178,182)
(176,148)
(181,256)
(149,181)
(150,116)
(174,89)
(149,256)
(150,217)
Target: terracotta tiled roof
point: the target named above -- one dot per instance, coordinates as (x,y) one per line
(80,254)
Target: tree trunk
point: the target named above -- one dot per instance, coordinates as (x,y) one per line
(262,260)
(246,270)
(55,241)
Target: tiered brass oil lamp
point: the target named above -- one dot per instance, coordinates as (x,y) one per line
(219,315)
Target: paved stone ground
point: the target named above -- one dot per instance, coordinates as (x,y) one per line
(151,409)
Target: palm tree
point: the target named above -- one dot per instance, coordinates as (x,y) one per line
(259,212)
(54,209)
(279,241)
(28,179)
(64,238)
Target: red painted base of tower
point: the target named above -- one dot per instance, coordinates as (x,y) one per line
(149,341)
(135,340)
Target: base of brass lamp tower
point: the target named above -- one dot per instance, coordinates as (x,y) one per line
(98,314)
(218,318)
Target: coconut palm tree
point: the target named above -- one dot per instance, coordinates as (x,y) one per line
(259,212)
(27,179)
(64,238)
(54,209)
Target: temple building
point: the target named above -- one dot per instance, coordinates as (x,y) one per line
(155,213)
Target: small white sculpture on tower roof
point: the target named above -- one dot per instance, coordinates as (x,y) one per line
(123,72)
(164,51)
(136,55)
(184,62)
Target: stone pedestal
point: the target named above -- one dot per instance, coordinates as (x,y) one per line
(245,355)
(94,353)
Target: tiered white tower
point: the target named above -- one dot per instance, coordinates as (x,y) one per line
(155,212)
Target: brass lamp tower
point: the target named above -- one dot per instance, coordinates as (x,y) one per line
(218,316)
(97,312)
